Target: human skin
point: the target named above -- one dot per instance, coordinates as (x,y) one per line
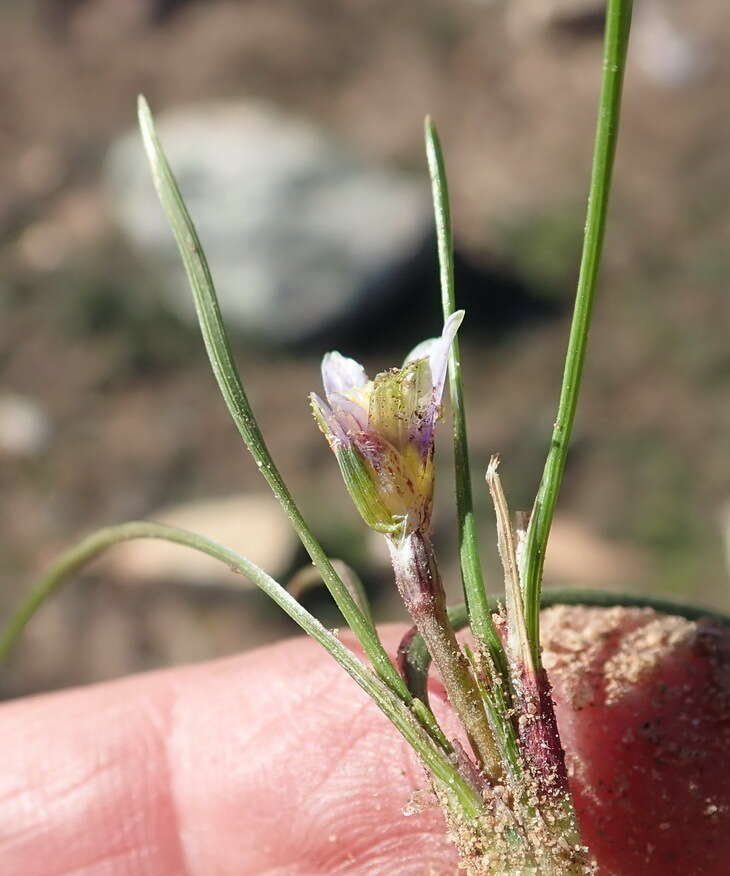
(275,763)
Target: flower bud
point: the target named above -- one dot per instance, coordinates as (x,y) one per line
(381,432)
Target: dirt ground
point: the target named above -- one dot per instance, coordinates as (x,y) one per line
(136,420)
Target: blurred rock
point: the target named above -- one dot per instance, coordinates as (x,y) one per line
(251,523)
(60,15)
(525,17)
(182,630)
(40,169)
(109,642)
(301,234)
(25,430)
(662,49)
(578,556)
(76,222)
(42,246)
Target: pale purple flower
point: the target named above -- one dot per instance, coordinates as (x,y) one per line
(381,430)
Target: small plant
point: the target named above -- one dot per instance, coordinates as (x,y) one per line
(503,784)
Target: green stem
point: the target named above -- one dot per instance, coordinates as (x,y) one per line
(73,559)
(416,657)
(420,586)
(618,23)
(229,382)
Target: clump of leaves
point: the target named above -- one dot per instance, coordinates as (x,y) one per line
(502,783)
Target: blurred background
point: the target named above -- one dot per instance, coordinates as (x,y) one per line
(296,130)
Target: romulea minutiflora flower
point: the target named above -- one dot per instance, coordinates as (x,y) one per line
(382,431)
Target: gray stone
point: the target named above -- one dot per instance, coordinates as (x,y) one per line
(664,49)
(251,523)
(662,44)
(527,17)
(25,430)
(301,234)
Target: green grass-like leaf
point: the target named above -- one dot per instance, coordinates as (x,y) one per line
(496,693)
(480,617)
(231,387)
(437,761)
(616,40)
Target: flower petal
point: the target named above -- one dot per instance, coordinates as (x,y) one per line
(400,403)
(327,421)
(351,415)
(404,481)
(341,375)
(436,350)
(438,354)
(420,351)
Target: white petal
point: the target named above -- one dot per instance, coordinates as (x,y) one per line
(401,405)
(351,415)
(436,350)
(439,354)
(326,419)
(420,351)
(340,374)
